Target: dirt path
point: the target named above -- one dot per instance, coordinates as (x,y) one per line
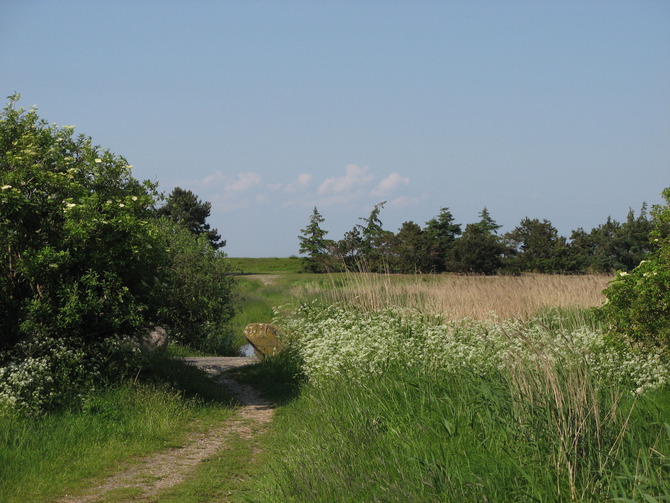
(266,279)
(153,474)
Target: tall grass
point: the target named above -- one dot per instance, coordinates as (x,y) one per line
(405,406)
(412,437)
(462,296)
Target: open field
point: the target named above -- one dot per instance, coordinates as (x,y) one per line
(522,401)
(459,296)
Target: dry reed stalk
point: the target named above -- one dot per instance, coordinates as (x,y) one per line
(461,296)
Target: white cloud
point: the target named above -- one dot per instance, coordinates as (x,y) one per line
(301,183)
(355,177)
(243,182)
(389,184)
(243,190)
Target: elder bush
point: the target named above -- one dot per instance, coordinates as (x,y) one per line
(85,263)
(638,302)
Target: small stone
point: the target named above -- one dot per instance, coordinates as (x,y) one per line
(155,339)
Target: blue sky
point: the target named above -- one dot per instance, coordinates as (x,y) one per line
(556,110)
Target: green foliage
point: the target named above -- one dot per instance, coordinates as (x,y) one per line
(611,246)
(313,242)
(533,246)
(200,298)
(537,247)
(374,241)
(85,265)
(411,250)
(443,232)
(185,208)
(638,302)
(80,255)
(479,250)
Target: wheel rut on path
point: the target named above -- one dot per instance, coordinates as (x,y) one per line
(151,475)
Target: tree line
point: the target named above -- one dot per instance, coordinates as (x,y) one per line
(442,245)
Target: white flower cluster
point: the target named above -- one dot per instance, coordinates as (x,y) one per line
(340,340)
(31,383)
(24,384)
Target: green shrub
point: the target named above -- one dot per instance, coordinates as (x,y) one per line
(638,302)
(80,255)
(200,295)
(85,264)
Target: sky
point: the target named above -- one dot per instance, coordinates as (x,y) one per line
(550,110)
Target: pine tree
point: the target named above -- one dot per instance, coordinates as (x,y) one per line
(313,242)
(185,208)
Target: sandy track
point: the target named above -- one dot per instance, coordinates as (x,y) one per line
(158,472)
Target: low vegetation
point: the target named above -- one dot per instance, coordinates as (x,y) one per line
(45,456)
(405,406)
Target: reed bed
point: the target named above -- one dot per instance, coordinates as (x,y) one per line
(462,296)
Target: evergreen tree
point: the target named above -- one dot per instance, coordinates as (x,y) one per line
(348,249)
(442,233)
(375,241)
(479,250)
(411,250)
(185,208)
(314,244)
(537,246)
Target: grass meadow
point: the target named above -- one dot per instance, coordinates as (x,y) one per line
(391,388)
(462,388)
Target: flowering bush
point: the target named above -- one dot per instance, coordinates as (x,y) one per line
(47,372)
(638,303)
(85,262)
(338,340)
(80,253)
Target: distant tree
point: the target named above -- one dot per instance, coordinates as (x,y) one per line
(479,250)
(185,208)
(579,251)
(632,242)
(347,251)
(612,246)
(313,242)
(442,233)
(538,246)
(375,241)
(411,250)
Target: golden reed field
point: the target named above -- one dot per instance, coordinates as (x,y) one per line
(463,296)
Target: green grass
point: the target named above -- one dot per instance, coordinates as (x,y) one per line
(59,452)
(266,265)
(409,437)
(257,300)
(225,476)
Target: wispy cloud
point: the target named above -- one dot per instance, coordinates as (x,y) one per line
(354,178)
(389,185)
(301,183)
(357,184)
(243,182)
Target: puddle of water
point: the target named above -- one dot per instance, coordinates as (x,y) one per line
(247,350)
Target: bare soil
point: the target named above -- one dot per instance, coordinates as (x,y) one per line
(149,476)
